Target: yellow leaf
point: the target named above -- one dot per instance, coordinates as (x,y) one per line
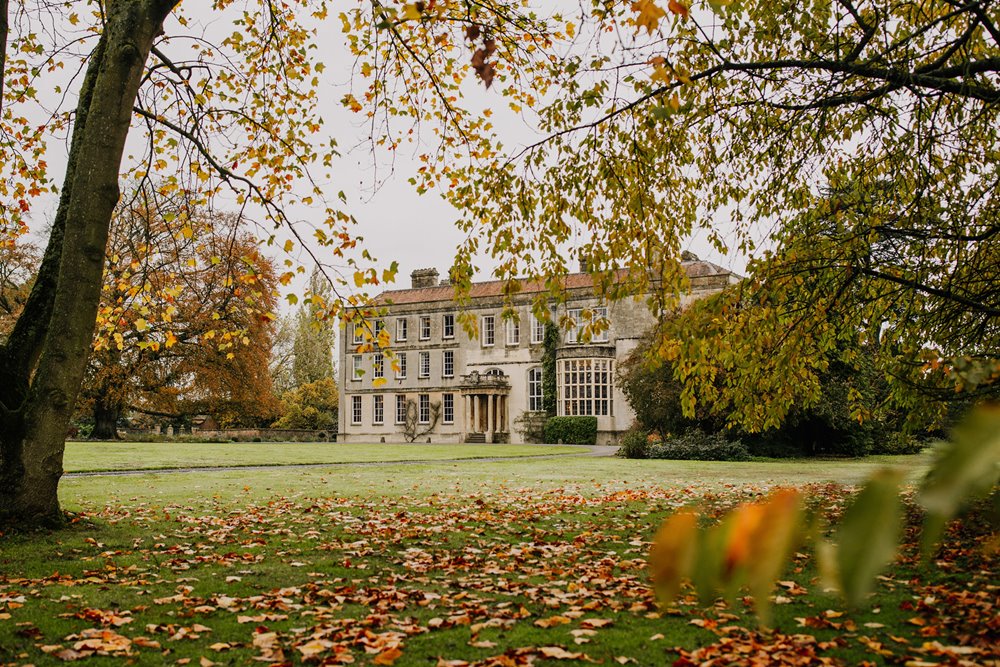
(289,244)
(171,339)
(141,325)
(649,14)
(412,12)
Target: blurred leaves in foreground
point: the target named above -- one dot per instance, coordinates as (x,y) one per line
(750,548)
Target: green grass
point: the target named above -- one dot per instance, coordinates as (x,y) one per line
(456,560)
(577,474)
(101,456)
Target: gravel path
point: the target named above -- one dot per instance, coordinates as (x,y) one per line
(599,450)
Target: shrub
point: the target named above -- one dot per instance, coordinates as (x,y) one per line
(899,443)
(571,430)
(634,444)
(696,445)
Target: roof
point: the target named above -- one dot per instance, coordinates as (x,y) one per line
(494,288)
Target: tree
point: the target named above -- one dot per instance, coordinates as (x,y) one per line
(17,264)
(237,112)
(185,321)
(312,405)
(313,344)
(736,121)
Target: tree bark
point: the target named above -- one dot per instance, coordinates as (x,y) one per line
(49,368)
(106,415)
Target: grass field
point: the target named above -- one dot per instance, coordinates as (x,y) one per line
(99,456)
(513,562)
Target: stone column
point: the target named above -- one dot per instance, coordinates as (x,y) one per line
(489,418)
(505,419)
(466,414)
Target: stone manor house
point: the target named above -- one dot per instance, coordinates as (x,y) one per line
(462,389)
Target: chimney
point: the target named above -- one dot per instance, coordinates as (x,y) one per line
(688,256)
(584,265)
(424,278)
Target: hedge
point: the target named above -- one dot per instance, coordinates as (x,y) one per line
(571,430)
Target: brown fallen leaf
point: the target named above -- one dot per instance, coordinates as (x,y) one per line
(388,656)
(551,621)
(559,653)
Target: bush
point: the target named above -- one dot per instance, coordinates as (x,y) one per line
(696,445)
(571,430)
(899,443)
(634,444)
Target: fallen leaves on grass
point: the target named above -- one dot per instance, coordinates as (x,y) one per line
(394,581)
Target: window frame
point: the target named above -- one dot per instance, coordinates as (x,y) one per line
(424,365)
(537,327)
(448,326)
(489,333)
(448,405)
(378,409)
(400,405)
(402,327)
(536,391)
(448,359)
(378,366)
(357,367)
(424,407)
(424,320)
(585,387)
(401,362)
(358,335)
(513,327)
(357,410)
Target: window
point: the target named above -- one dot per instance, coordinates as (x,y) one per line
(378,365)
(425,365)
(359,333)
(513,332)
(400,408)
(400,329)
(601,314)
(425,327)
(401,362)
(448,364)
(574,335)
(378,409)
(355,409)
(537,331)
(535,390)
(356,366)
(448,326)
(379,328)
(425,408)
(585,388)
(448,400)
(489,330)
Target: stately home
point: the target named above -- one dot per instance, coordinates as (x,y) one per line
(445,386)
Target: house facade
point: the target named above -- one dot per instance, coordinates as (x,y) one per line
(441,385)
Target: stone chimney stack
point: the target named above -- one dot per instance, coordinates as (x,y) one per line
(424,278)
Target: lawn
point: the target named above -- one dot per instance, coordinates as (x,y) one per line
(101,456)
(513,562)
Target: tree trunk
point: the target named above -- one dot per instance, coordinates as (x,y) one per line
(38,402)
(106,415)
